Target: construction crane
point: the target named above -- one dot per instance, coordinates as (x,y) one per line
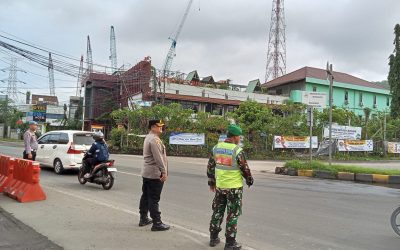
(171,53)
(89,58)
(113,50)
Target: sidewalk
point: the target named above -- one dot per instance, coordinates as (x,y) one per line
(80,222)
(16,235)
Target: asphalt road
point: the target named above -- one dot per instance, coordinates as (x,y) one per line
(279,212)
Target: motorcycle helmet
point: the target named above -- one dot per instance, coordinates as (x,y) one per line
(98,135)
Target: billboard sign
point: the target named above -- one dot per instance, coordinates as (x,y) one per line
(39,112)
(394,147)
(355,145)
(186,139)
(343,132)
(295,141)
(314,99)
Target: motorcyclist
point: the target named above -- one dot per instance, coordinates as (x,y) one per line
(97,153)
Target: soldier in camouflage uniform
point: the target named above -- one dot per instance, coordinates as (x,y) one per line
(226,169)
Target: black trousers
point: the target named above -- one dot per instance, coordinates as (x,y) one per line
(151,189)
(25,155)
(89,163)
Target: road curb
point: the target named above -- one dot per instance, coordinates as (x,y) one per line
(380,178)
(343,176)
(364,177)
(346,176)
(323,174)
(394,179)
(305,172)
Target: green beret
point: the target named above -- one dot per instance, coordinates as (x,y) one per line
(234,130)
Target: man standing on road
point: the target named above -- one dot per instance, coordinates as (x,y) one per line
(226,169)
(30,142)
(154,173)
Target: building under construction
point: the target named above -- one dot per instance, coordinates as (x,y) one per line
(107,92)
(140,86)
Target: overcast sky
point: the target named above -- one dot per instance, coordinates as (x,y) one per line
(223,38)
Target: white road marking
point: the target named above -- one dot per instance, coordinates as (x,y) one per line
(93,201)
(129,173)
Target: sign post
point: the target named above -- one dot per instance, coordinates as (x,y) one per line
(310,118)
(313,100)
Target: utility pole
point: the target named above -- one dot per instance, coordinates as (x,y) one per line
(329,72)
(51,76)
(276,54)
(384,135)
(79,80)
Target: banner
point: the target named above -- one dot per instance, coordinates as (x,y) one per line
(355,145)
(343,132)
(186,139)
(39,112)
(295,141)
(394,147)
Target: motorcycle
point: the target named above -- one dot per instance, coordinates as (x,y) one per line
(395,220)
(102,174)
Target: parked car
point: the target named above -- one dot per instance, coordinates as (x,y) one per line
(63,149)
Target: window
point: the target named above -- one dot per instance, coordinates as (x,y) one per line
(346,97)
(53,138)
(314,89)
(44,139)
(63,138)
(361,99)
(374,99)
(387,101)
(83,139)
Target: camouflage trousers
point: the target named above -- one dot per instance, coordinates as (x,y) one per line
(231,200)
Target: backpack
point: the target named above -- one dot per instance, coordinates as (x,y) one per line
(102,153)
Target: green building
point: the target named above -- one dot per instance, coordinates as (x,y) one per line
(349,92)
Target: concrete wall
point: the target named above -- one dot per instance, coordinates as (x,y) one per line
(354,96)
(181,89)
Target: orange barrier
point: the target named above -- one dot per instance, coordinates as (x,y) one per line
(25,186)
(6,171)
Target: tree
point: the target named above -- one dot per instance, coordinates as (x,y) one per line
(394,74)
(367,113)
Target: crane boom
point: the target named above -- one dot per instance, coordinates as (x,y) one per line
(171,52)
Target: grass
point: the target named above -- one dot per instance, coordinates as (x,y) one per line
(316,165)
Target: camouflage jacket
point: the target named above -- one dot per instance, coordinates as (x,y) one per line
(241,160)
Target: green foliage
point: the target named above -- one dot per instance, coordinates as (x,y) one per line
(117,136)
(394,74)
(316,165)
(259,123)
(9,115)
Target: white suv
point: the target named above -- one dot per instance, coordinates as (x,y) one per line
(63,149)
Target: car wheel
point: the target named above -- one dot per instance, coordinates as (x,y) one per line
(58,166)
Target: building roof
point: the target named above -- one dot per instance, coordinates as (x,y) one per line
(251,87)
(208,79)
(193,76)
(310,72)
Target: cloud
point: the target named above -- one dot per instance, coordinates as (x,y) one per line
(226,39)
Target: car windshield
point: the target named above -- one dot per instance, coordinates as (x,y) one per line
(83,139)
